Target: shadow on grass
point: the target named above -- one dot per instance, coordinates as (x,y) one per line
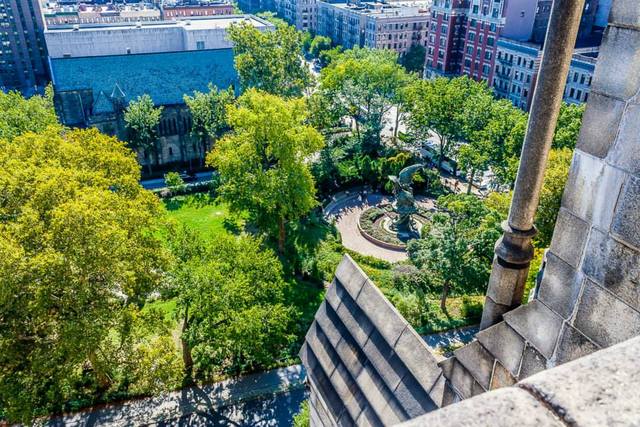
(196,200)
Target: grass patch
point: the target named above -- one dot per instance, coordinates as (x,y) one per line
(202,213)
(168,307)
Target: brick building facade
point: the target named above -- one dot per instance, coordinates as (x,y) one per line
(445,39)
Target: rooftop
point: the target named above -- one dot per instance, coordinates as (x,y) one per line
(383,10)
(191,24)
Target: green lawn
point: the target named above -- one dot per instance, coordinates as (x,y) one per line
(202,213)
(168,307)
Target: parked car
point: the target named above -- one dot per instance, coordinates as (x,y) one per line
(188,176)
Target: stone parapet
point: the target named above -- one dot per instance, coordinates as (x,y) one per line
(597,390)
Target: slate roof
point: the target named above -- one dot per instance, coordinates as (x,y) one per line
(365,364)
(102,105)
(166,77)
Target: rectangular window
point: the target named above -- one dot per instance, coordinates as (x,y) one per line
(200,45)
(490,41)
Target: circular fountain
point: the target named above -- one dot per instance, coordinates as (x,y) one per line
(392,225)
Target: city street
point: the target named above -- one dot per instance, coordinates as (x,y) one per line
(154,184)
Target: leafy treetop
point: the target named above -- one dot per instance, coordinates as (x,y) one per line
(270,60)
(263,163)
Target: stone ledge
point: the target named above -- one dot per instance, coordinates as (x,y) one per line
(506,407)
(538,324)
(596,390)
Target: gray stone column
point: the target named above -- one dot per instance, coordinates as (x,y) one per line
(514,250)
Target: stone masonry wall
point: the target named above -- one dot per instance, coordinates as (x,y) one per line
(365,364)
(592,278)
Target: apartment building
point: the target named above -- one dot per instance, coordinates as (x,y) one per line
(23,54)
(396,26)
(519,55)
(581,71)
(445,38)
(299,13)
(187,10)
(516,71)
(63,14)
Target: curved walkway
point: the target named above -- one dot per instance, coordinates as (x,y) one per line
(345,213)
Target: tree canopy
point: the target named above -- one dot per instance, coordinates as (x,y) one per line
(457,250)
(568,127)
(208,114)
(364,84)
(263,162)
(231,303)
(438,106)
(20,115)
(78,247)
(142,118)
(270,60)
(413,59)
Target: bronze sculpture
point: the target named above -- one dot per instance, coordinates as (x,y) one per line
(405,203)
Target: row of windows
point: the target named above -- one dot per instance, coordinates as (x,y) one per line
(520,61)
(583,78)
(577,94)
(486,69)
(490,39)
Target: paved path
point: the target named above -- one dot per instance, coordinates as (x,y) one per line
(345,213)
(266,399)
(449,338)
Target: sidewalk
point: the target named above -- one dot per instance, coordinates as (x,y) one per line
(232,402)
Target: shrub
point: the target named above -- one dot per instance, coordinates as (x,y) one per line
(408,278)
(175,182)
(158,367)
(471,309)
(301,419)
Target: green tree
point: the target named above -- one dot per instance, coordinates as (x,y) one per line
(20,115)
(568,127)
(364,84)
(413,59)
(326,57)
(263,163)
(231,304)
(174,181)
(208,115)
(555,179)
(78,247)
(318,45)
(458,250)
(141,119)
(273,19)
(503,136)
(270,60)
(474,155)
(436,107)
